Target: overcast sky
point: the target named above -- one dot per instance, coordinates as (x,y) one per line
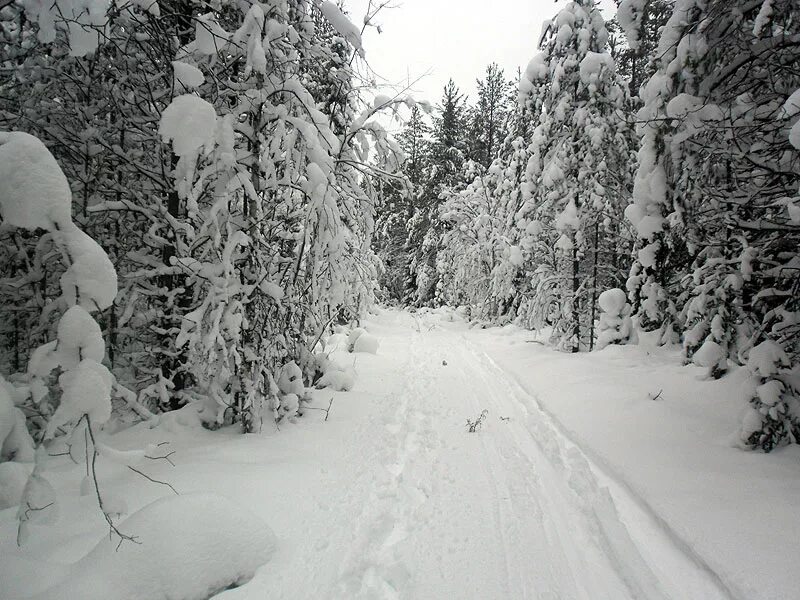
(440,39)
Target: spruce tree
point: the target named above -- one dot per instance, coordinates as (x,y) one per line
(577,173)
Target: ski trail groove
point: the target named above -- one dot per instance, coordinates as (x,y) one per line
(596,500)
(374,569)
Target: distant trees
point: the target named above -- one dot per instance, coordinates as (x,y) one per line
(665,161)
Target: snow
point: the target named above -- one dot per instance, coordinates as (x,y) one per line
(34,192)
(612,301)
(15,441)
(83,20)
(763,18)
(792,105)
(209,35)
(290,379)
(190,546)
(13,477)
(189,122)
(629,17)
(86,390)
(609,474)
(593,65)
(187,75)
(79,336)
(342,25)
(338,379)
(90,281)
(615,325)
(766,358)
(708,355)
(353,336)
(366,343)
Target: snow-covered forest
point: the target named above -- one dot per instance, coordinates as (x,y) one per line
(251,293)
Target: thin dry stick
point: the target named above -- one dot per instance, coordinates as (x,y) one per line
(112,528)
(326,410)
(146,476)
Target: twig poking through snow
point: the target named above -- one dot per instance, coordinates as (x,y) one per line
(326,410)
(656,396)
(146,476)
(475,425)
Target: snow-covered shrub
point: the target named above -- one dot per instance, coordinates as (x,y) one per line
(35,194)
(291,389)
(773,417)
(340,379)
(615,326)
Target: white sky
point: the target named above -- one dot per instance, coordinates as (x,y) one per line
(440,39)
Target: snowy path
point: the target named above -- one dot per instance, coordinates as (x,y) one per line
(392,497)
(514,511)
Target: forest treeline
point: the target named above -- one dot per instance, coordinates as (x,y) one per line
(641,174)
(226,157)
(229,159)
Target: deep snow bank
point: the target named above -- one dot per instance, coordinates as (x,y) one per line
(188,547)
(667,434)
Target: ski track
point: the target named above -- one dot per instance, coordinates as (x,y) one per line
(513,511)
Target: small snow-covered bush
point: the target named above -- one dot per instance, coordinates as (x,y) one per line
(338,379)
(615,326)
(773,416)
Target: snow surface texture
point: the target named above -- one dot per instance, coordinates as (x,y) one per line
(579,485)
(191,546)
(13,477)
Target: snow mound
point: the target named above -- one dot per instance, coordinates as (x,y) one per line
(366,343)
(339,380)
(353,337)
(91,280)
(191,546)
(709,354)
